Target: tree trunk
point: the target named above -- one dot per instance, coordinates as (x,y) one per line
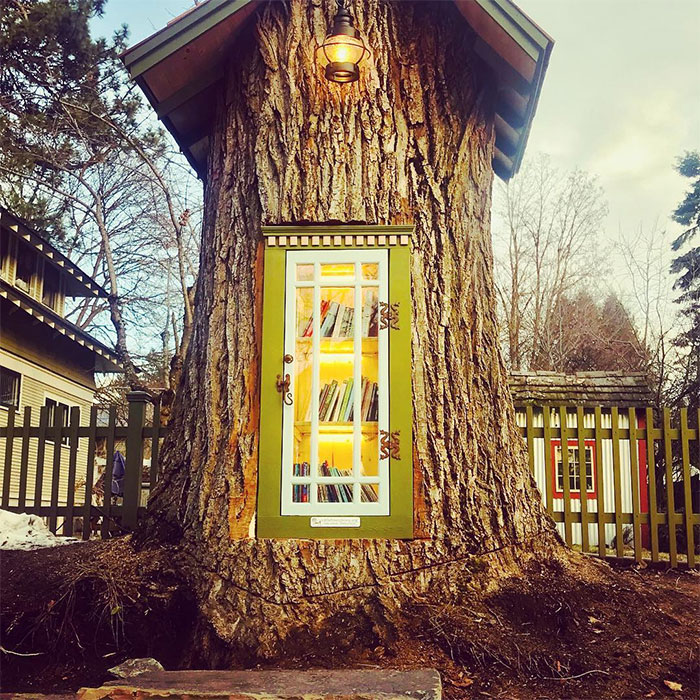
(411,142)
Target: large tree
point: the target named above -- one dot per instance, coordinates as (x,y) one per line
(549,224)
(411,142)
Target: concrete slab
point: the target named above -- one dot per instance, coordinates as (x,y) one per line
(365,684)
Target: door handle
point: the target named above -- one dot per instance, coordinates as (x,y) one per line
(284,384)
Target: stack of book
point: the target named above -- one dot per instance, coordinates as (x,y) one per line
(302,469)
(334,493)
(336,401)
(337,320)
(369,495)
(300,493)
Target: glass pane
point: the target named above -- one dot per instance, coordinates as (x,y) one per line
(346,270)
(303,377)
(370,271)
(305,272)
(369,402)
(335,493)
(369,493)
(301,493)
(336,383)
(370,313)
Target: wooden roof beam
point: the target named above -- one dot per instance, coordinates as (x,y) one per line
(187,93)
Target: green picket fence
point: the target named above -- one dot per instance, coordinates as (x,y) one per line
(50,470)
(638,495)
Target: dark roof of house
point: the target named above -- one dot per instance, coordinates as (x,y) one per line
(619,389)
(106,360)
(179,68)
(78,283)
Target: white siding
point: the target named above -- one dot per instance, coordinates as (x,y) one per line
(607,470)
(36,384)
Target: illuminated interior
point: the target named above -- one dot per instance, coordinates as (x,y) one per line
(346,448)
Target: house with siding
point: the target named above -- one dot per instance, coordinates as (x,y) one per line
(618,395)
(46,362)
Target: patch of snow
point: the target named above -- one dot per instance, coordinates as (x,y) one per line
(23,531)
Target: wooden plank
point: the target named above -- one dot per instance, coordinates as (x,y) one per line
(634,477)
(89,474)
(9,443)
(57,432)
(24,458)
(583,479)
(529,420)
(687,497)
(155,447)
(40,453)
(602,550)
(72,467)
(651,479)
(107,501)
(134,457)
(548,479)
(670,505)
(619,534)
(566,473)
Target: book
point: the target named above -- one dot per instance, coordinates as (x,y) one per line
(347,401)
(329,321)
(329,394)
(337,326)
(369,495)
(309,328)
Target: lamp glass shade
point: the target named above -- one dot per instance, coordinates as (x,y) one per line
(341,48)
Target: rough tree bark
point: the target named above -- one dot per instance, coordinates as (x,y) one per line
(411,142)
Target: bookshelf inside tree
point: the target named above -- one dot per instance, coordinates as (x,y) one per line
(334,337)
(338,383)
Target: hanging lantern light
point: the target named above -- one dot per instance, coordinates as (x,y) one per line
(343,48)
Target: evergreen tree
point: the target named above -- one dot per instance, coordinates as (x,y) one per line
(79,154)
(687,266)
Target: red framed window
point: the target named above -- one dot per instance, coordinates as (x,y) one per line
(574,469)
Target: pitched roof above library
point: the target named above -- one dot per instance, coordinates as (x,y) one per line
(621,389)
(180,65)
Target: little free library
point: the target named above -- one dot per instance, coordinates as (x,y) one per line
(344,379)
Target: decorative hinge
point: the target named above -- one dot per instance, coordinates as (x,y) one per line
(389,445)
(388,315)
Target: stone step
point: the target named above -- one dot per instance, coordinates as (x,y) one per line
(364,684)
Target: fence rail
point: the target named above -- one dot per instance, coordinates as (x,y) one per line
(640,474)
(62,488)
(627,476)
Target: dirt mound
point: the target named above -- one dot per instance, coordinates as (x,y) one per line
(69,613)
(80,609)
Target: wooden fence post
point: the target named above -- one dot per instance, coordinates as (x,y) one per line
(134,457)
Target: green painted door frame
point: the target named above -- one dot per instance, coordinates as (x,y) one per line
(399,522)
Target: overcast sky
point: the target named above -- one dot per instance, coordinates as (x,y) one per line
(621,98)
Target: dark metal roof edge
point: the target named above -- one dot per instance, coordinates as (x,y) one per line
(542,64)
(68,266)
(144,55)
(42,310)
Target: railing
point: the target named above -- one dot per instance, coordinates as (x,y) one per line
(640,486)
(50,470)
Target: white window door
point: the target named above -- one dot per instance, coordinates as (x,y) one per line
(338,401)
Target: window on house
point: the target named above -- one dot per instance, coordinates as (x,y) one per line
(26,264)
(51,285)
(57,412)
(574,468)
(9,387)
